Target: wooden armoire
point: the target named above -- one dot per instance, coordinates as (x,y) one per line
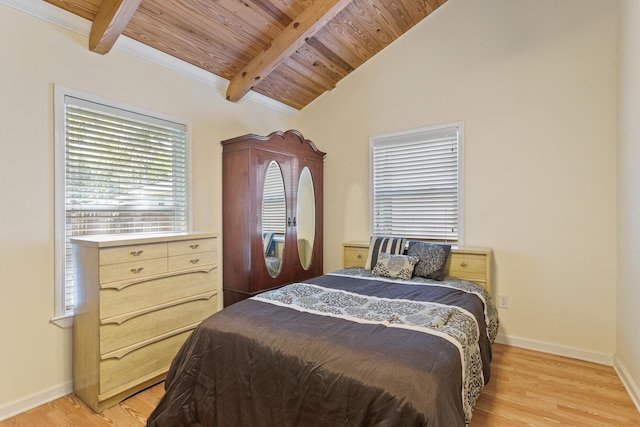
(272,212)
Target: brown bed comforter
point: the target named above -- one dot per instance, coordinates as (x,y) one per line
(334,351)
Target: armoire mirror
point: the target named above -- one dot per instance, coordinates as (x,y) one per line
(274,218)
(306,217)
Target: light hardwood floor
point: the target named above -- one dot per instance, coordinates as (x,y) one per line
(527,388)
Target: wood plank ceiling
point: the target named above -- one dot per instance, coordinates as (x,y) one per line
(288,50)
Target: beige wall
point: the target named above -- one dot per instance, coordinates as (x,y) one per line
(535,84)
(35,356)
(628,302)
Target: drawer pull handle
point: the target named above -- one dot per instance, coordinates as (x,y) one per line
(136,253)
(359,256)
(195,261)
(463,265)
(194,246)
(137,270)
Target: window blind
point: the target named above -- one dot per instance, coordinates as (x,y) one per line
(274,210)
(415,185)
(124,173)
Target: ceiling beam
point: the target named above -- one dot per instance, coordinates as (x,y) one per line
(109,23)
(310,21)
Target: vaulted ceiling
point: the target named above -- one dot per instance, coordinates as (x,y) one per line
(288,50)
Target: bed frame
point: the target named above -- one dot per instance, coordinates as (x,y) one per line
(471,264)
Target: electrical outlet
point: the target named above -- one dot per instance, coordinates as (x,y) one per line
(503,301)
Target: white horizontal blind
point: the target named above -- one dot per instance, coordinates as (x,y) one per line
(124,173)
(274,210)
(415,185)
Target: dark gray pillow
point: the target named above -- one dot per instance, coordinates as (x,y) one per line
(432,259)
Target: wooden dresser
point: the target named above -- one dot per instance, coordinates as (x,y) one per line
(471,264)
(138,297)
(254,213)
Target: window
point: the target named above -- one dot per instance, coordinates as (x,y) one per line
(274,209)
(416,184)
(117,171)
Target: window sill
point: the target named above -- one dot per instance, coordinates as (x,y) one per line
(64,321)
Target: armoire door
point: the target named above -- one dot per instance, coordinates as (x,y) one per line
(306,209)
(271,241)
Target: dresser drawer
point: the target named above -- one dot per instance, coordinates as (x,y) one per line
(133,312)
(134,367)
(122,254)
(192,246)
(471,267)
(132,270)
(184,262)
(143,294)
(355,256)
(121,331)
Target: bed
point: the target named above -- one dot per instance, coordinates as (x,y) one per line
(357,347)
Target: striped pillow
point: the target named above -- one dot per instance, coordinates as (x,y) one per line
(387,245)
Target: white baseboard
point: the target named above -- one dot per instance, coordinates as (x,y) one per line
(575,353)
(10,409)
(559,350)
(627,381)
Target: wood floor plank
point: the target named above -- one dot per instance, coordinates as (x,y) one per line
(71,411)
(527,388)
(539,389)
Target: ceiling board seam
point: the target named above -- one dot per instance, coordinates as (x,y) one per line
(54,15)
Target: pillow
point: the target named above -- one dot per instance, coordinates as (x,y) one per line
(268,243)
(387,245)
(433,258)
(395,266)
